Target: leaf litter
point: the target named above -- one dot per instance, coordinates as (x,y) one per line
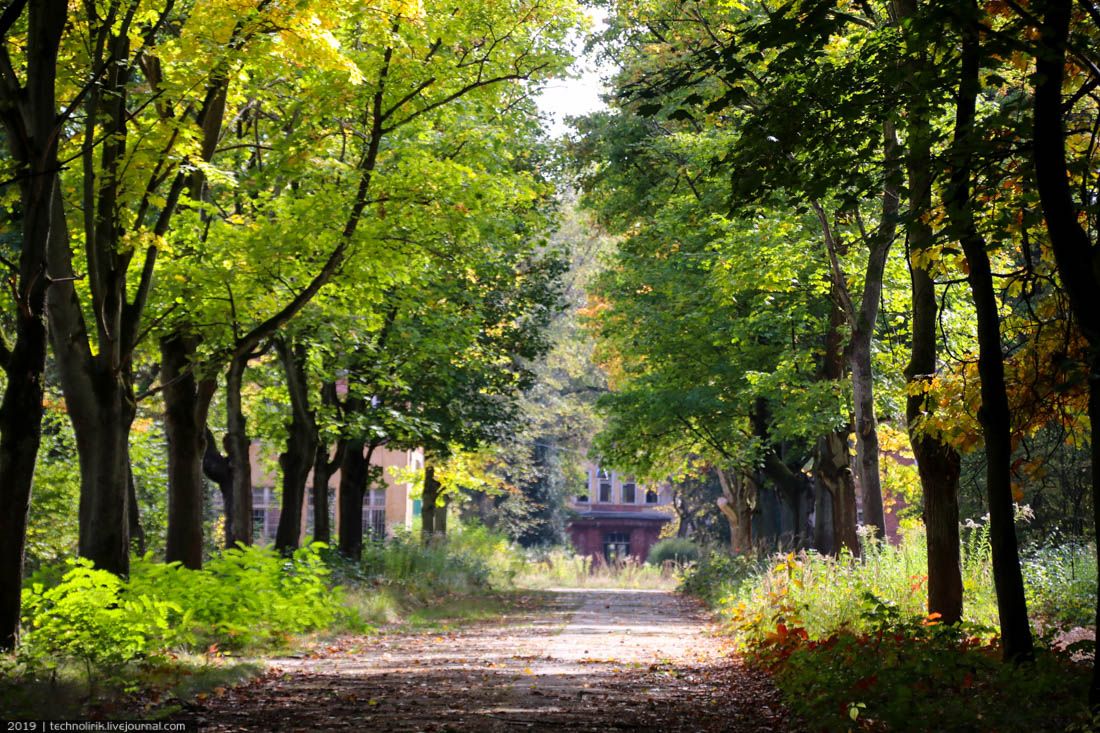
(581,660)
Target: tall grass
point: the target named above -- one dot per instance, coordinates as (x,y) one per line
(1060,581)
(470,558)
(563,569)
(398,579)
(827,594)
(847,641)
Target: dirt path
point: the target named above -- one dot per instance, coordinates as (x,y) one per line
(588,660)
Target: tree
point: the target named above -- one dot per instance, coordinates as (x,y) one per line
(938,462)
(375,201)
(710,327)
(32,127)
(128,194)
(809,110)
(994,414)
(1075,253)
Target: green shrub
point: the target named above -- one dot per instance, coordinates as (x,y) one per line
(245,596)
(675,549)
(1061,584)
(491,550)
(91,616)
(717,574)
(911,673)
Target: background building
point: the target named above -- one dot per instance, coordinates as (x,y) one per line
(617,517)
(385,510)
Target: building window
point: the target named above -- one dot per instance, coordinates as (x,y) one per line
(262,506)
(616,546)
(583,498)
(377,525)
(603,479)
(374,514)
(259,528)
(629,493)
(650,496)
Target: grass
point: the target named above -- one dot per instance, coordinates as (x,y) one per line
(560,569)
(142,690)
(828,593)
(848,641)
(390,609)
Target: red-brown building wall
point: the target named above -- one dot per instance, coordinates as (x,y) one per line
(588,535)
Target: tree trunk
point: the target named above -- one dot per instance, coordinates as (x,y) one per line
(186,407)
(30,121)
(322,474)
(863,331)
(102,410)
(833,472)
(97,382)
(137,534)
(441,518)
(832,458)
(237,444)
(353,481)
(994,414)
(824,532)
(737,504)
(937,462)
(323,468)
(1077,258)
(215,467)
(427,503)
(20,437)
(791,488)
(100,403)
(867,444)
(301,446)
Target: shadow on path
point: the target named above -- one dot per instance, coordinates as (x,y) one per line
(586,660)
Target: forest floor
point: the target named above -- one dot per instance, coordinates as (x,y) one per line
(585,660)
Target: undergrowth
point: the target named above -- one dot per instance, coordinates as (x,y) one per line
(96,640)
(848,641)
(563,569)
(399,579)
(912,673)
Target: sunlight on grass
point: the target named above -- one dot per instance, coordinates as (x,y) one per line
(828,593)
(847,638)
(559,569)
